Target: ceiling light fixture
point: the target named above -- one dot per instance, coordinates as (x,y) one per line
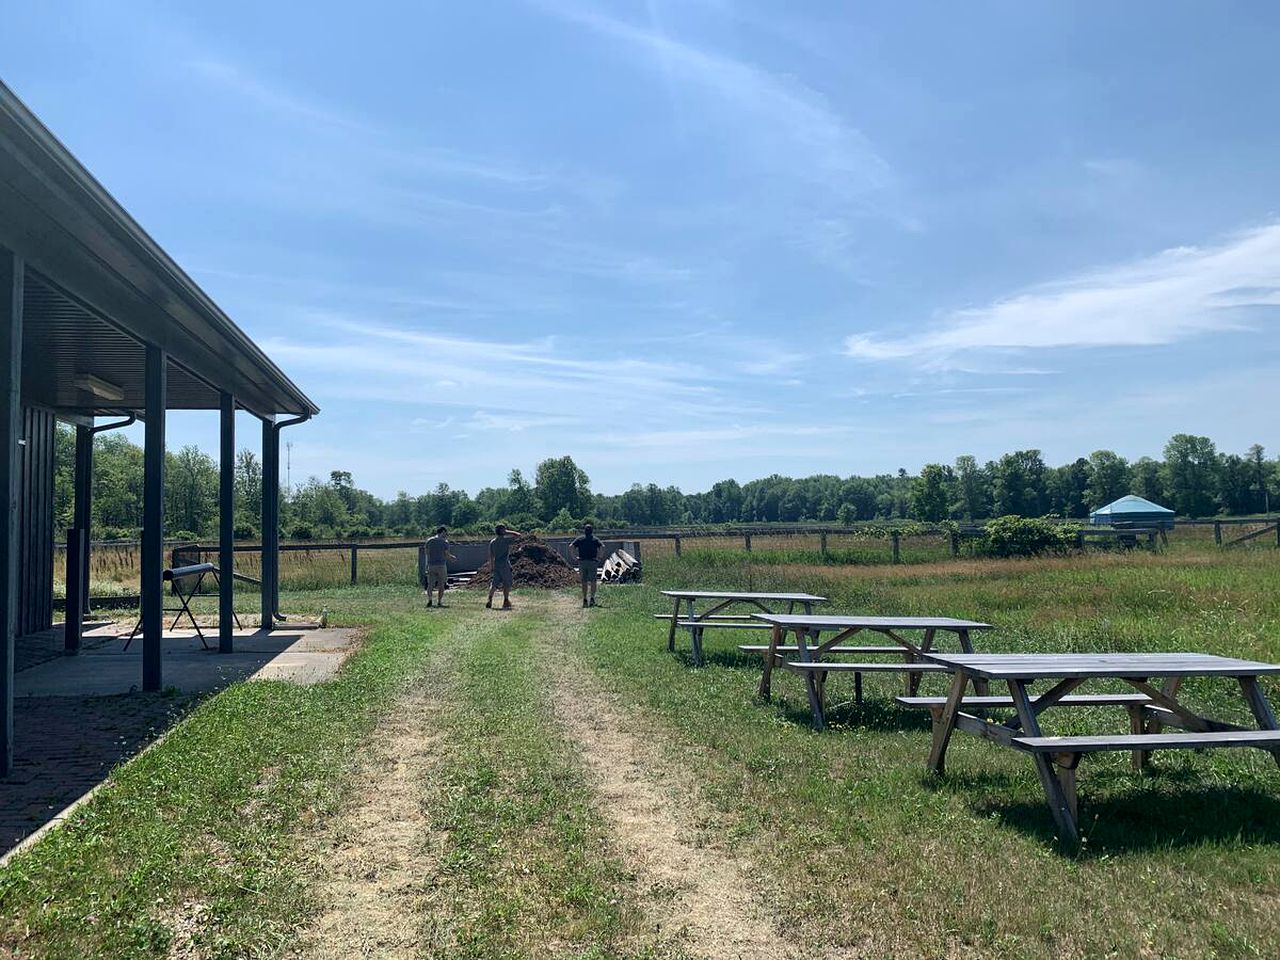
(102,389)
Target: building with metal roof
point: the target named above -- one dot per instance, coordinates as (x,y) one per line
(96,320)
(1132,511)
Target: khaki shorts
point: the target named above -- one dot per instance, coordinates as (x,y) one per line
(437,576)
(589,570)
(502,574)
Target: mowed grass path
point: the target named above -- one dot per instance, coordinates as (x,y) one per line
(204,847)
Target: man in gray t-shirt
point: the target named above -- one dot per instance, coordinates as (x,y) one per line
(438,557)
(500,558)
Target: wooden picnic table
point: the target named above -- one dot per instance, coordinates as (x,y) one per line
(813,654)
(695,622)
(1056,758)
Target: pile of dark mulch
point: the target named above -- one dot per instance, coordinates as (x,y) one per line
(533,564)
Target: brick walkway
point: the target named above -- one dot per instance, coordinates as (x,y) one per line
(37,648)
(69,745)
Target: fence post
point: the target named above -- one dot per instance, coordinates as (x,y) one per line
(746,540)
(897,556)
(355,563)
(422,565)
(1217,532)
(955,543)
(1080,539)
(677,539)
(824,545)
(1278,533)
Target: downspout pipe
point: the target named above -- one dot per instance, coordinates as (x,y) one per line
(275,560)
(128,421)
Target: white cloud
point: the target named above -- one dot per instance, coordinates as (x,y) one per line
(1175,295)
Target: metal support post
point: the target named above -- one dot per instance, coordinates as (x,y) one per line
(156,376)
(227,524)
(270,520)
(11,295)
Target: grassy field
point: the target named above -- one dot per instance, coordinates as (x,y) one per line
(207,845)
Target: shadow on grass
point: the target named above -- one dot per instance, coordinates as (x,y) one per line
(1164,809)
(730,659)
(883,716)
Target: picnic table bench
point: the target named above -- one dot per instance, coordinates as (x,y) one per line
(1056,758)
(813,654)
(696,622)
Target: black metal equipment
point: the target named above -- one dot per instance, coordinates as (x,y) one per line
(177,576)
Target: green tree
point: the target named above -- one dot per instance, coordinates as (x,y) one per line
(1259,479)
(560,484)
(191,491)
(929,499)
(248,484)
(1065,488)
(520,498)
(1235,484)
(117,485)
(973,489)
(1190,467)
(1018,484)
(1147,480)
(1109,478)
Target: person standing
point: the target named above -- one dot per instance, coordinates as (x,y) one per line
(500,559)
(587,549)
(438,557)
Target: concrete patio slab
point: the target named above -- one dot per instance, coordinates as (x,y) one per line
(299,656)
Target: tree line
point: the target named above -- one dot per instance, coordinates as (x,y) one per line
(1193,478)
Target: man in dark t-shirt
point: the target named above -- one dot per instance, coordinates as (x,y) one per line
(438,557)
(500,559)
(587,549)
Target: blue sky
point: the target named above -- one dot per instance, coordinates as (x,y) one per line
(689,240)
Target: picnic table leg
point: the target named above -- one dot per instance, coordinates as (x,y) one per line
(913,678)
(1065,767)
(810,680)
(945,724)
(671,634)
(1260,707)
(1059,804)
(857,688)
(1169,688)
(1138,757)
(696,633)
(766,676)
(815,700)
(980,687)
(693,631)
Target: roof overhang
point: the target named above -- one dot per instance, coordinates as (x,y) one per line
(91,255)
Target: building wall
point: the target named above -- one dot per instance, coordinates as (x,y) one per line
(35,522)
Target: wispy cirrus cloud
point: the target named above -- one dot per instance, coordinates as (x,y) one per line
(1172,296)
(787,120)
(807,175)
(388,146)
